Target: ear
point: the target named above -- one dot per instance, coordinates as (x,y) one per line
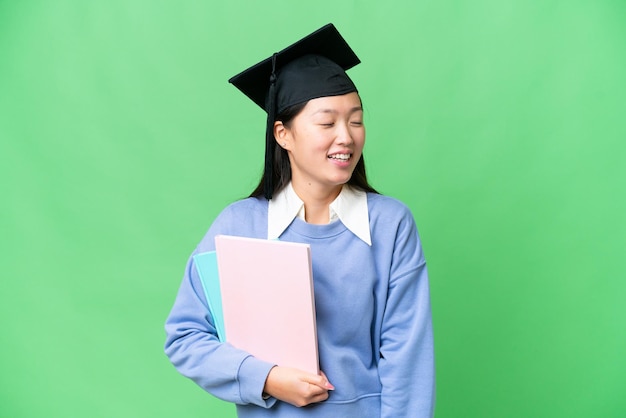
(281,134)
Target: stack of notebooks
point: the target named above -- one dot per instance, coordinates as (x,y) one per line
(260,293)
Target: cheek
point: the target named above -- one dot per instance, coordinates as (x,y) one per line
(313,141)
(359,139)
(307,144)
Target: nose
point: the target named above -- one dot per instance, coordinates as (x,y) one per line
(344,135)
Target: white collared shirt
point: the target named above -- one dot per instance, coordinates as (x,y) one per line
(350,207)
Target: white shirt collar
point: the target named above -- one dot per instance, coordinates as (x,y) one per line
(350,207)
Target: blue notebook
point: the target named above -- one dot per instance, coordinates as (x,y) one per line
(206,264)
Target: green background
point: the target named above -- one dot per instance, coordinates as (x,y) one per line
(500,123)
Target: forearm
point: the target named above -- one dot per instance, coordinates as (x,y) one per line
(407,365)
(194,349)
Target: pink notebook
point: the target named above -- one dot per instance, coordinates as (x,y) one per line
(268,301)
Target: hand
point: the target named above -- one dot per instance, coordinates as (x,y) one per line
(297,387)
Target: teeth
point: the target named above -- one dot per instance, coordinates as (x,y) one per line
(342,157)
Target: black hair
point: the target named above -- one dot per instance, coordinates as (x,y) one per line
(282,167)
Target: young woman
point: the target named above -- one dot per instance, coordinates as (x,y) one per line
(374,326)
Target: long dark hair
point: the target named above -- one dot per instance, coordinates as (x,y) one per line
(281,172)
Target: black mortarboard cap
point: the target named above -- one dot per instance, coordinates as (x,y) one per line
(312,67)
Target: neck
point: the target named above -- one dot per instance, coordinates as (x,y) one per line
(316,201)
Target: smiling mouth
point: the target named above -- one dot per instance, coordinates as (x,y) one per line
(340,157)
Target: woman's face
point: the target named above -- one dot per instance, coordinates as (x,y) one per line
(324,141)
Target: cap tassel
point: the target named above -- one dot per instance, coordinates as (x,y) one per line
(270,142)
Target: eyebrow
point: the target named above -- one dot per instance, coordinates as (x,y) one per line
(333,111)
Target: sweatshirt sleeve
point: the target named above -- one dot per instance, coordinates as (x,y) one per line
(194,349)
(406,365)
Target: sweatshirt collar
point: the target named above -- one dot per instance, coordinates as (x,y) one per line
(350,207)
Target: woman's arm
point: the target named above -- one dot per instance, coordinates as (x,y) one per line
(194,349)
(406,366)
(221,369)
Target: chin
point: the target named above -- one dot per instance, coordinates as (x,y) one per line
(341,182)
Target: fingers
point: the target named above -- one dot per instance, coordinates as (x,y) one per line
(321,397)
(328,385)
(320,380)
(297,387)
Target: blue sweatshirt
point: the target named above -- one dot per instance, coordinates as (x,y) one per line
(373,319)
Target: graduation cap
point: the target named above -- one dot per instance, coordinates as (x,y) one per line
(313,67)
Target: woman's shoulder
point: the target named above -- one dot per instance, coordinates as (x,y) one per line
(245,205)
(379,204)
(389,213)
(242,211)
(390,218)
(245,217)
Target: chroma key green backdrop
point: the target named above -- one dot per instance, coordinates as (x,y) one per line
(501,123)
